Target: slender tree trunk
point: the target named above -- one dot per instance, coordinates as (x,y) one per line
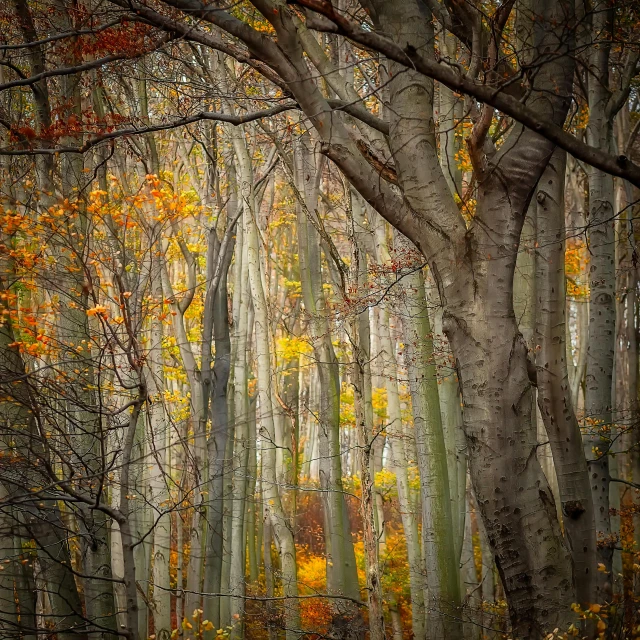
(442,596)
(470,587)
(367,506)
(242,438)
(10,623)
(268,573)
(341,569)
(601,239)
(554,394)
(626,398)
(396,622)
(398,463)
(451,412)
(215,380)
(136,539)
(266,406)
(253,513)
(159,451)
(227,495)
(582,332)
(133,554)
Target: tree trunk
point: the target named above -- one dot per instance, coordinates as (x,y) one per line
(367,507)
(398,463)
(158,437)
(241,413)
(266,406)
(554,394)
(601,239)
(341,568)
(442,596)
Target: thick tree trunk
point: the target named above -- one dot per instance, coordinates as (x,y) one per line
(474,272)
(514,498)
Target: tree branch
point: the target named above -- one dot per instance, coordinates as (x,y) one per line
(133,131)
(62,36)
(193,34)
(621,481)
(353,110)
(67,71)
(493,95)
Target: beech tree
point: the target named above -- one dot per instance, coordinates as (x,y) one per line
(319,319)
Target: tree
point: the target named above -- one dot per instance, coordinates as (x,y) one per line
(263,289)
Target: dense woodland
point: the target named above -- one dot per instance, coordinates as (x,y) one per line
(319,319)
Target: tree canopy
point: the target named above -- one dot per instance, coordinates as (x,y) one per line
(319,319)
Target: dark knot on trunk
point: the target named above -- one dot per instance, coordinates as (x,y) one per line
(573,509)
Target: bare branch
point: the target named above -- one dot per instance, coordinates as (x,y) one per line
(194,34)
(62,36)
(353,110)
(134,131)
(495,96)
(67,71)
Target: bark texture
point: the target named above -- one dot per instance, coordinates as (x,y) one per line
(554,393)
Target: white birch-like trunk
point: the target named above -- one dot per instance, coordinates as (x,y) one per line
(554,395)
(398,464)
(324,449)
(266,406)
(242,442)
(158,437)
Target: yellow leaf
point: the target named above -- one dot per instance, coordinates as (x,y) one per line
(97,310)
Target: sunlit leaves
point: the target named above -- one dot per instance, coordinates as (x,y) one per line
(576,258)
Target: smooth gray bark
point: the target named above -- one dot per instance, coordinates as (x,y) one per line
(341,567)
(600,350)
(442,593)
(554,393)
